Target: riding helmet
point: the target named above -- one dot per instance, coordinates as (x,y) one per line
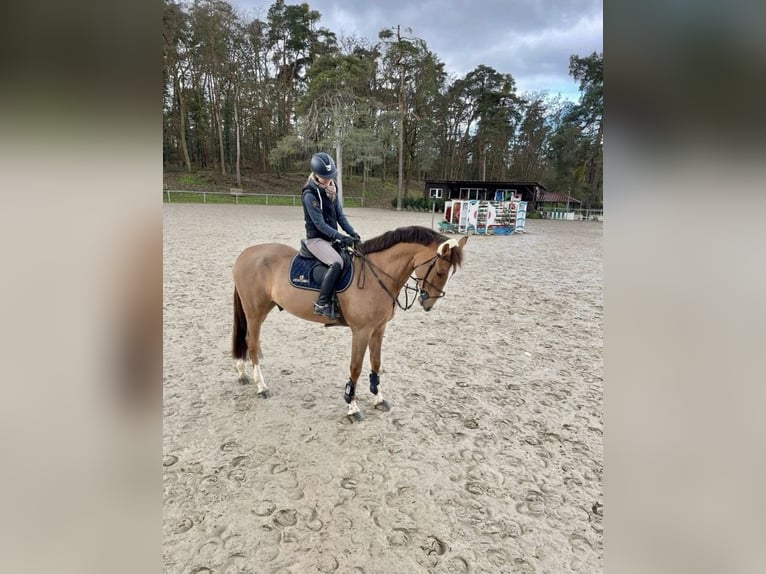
(323,165)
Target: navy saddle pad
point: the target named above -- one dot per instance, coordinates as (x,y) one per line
(307,273)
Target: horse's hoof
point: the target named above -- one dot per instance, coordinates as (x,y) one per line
(263,394)
(355,418)
(244,380)
(383,405)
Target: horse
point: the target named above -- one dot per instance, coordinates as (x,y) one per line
(382,266)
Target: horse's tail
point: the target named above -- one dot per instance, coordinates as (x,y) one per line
(239,332)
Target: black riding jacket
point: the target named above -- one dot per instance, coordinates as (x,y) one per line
(321,215)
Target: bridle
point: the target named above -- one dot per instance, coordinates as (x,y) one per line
(422,294)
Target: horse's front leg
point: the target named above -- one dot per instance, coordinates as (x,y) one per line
(376,343)
(360,339)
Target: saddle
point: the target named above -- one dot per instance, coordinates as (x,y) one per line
(306,271)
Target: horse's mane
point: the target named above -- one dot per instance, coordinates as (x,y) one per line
(411,234)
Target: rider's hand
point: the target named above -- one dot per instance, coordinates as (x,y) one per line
(356,238)
(347,241)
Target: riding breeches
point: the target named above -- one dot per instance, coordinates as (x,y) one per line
(324,251)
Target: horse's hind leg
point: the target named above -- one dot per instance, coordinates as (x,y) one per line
(376,343)
(254,349)
(243,378)
(242,369)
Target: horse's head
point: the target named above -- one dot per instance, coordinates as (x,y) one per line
(433,272)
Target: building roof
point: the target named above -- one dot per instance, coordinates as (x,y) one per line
(554,197)
(479,183)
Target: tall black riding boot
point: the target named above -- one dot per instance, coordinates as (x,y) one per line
(326,292)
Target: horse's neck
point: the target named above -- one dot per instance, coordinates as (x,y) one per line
(397,262)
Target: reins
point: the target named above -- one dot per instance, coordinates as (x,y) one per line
(423,294)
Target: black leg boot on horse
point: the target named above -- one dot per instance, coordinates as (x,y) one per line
(323,305)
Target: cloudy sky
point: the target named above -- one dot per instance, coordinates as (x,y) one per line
(529,39)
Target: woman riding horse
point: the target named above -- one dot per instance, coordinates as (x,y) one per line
(322,214)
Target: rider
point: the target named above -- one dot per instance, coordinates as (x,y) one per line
(322,214)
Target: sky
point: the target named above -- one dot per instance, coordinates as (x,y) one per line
(531,40)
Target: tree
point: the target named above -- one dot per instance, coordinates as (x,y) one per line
(424,97)
(480,115)
(175,32)
(259,102)
(294,44)
(212,24)
(528,154)
(399,62)
(240,94)
(566,153)
(495,111)
(334,102)
(589,115)
(365,149)
(287,149)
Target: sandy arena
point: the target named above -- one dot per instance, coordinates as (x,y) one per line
(490,460)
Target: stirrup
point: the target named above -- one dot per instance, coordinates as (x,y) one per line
(325,310)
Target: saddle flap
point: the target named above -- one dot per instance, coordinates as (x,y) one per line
(307,273)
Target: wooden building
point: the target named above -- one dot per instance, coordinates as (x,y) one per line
(530,191)
(555,200)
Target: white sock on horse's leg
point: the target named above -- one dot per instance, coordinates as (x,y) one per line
(378,397)
(258,376)
(240,364)
(352,408)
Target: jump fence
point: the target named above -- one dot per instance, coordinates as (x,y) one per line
(573,214)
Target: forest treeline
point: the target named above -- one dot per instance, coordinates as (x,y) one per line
(260,95)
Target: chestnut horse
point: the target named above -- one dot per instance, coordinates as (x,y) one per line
(382,267)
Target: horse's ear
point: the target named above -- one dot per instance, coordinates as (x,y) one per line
(446,246)
(462,241)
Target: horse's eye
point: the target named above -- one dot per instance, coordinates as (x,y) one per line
(439,274)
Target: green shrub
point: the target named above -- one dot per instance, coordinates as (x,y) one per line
(419,203)
(189,179)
